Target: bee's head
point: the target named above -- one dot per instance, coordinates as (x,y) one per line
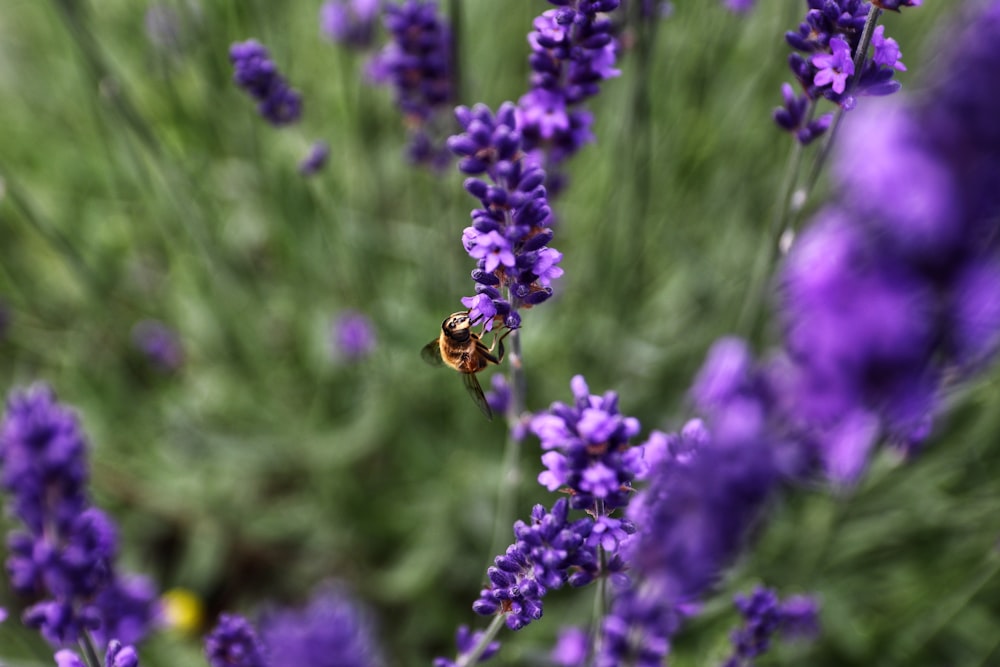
(457,326)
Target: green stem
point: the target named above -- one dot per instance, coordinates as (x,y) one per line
(472,657)
(767,251)
(510,479)
(89,652)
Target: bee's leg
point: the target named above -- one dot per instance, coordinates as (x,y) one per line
(498,342)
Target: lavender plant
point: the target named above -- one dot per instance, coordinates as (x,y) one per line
(256,73)
(64,557)
(887,303)
(417,63)
(573,51)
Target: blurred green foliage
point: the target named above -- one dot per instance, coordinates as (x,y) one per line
(138,182)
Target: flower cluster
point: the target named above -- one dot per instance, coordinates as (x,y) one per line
(64,557)
(417,62)
(509,235)
(895,289)
(234,643)
(350,22)
(329,631)
(573,50)
(763,616)
(548,553)
(587,450)
(706,485)
(256,73)
(829,38)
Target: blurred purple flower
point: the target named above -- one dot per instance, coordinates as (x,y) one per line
(64,558)
(159,344)
(350,22)
(352,336)
(764,615)
(740,6)
(894,289)
(572,648)
(330,631)
(256,73)
(417,63)
(316,159)
(234,643)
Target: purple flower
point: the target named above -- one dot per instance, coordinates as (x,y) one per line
(740,6)
(466,640)
(509,235)
(331,631)
(894,5)
(234,643)
(894,288)
(886,50)
(159,344)
(119,655)
(835,67)
(823,65)
(350,22)
(129,607)
(316,159)
(352,336)
(549,552)
(763,616)
(572,648)
(588,449)
(64,558)
(417,63)
(256,73)
(573,51)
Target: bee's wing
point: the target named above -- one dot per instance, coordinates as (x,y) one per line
(432,353)
(476,392)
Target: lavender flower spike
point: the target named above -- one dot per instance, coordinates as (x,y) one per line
(826,44)
(417,63)
(64,557)
(764,615)
(509,235)
(549,552)
(573,51)
(256,73)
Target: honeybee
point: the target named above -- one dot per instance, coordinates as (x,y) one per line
(460,348)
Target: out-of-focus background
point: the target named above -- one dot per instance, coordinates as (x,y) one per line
(138,183)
